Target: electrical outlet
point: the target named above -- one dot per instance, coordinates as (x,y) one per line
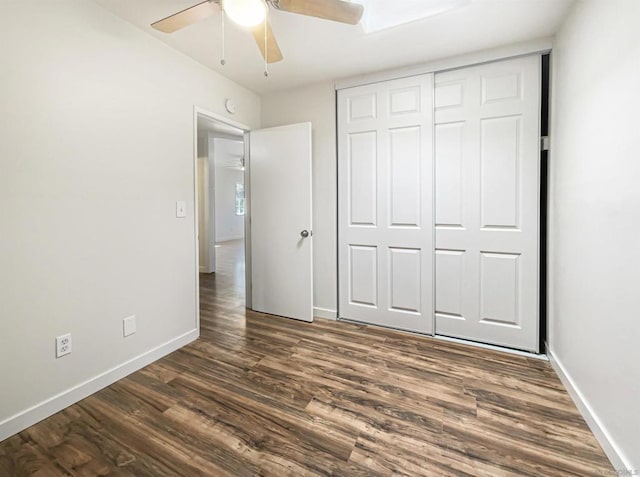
(129,325)
(63,345)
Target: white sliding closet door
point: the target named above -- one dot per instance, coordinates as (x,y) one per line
(385,196)
(487,202)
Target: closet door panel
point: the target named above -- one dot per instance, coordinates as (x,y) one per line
(385,203)
(487,202)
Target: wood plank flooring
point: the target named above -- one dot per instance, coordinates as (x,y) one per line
(261,395)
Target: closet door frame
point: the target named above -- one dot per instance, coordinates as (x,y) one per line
(534,48)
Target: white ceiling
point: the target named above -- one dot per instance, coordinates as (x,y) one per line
(316,50)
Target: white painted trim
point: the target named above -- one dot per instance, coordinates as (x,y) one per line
(220,118)
(197,111)
(539,46)
(54,404)
(610,448)
(196,232)
(325,313)
(433,203)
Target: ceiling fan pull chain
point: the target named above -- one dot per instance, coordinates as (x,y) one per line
(266,50)
(222,61)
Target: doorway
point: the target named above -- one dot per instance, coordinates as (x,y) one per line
(261,254)
(220,162)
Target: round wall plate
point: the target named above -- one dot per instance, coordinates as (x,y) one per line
(230,106)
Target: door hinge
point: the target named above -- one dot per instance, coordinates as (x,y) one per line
(544,143)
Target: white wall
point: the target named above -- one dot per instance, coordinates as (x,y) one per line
(96,145)
(315,103)
(594,266)
(229,226)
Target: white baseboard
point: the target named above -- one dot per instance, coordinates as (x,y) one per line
(613,452)
(54,404)
(325,313)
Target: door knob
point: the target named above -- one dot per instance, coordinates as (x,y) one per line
(304,234)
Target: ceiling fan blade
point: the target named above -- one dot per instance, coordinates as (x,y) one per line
(336,10)
(273,50)
(186,17)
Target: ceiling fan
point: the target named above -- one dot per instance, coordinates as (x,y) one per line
(252,14)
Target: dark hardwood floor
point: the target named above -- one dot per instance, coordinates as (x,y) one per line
(261,395)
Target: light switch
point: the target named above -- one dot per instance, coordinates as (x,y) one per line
(181,209)
(129,325)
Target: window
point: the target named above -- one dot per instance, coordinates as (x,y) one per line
(239,198)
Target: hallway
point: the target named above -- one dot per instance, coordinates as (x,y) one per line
(224,290)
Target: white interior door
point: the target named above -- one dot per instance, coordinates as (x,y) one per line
(385,212)
(281,242)
(487,202)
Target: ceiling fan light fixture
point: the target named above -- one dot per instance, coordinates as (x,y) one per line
(246,13)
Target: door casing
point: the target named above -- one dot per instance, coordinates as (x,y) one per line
(197,111)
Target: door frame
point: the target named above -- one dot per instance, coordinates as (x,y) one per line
(197,111)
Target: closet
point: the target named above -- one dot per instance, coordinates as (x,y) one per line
(438,203)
